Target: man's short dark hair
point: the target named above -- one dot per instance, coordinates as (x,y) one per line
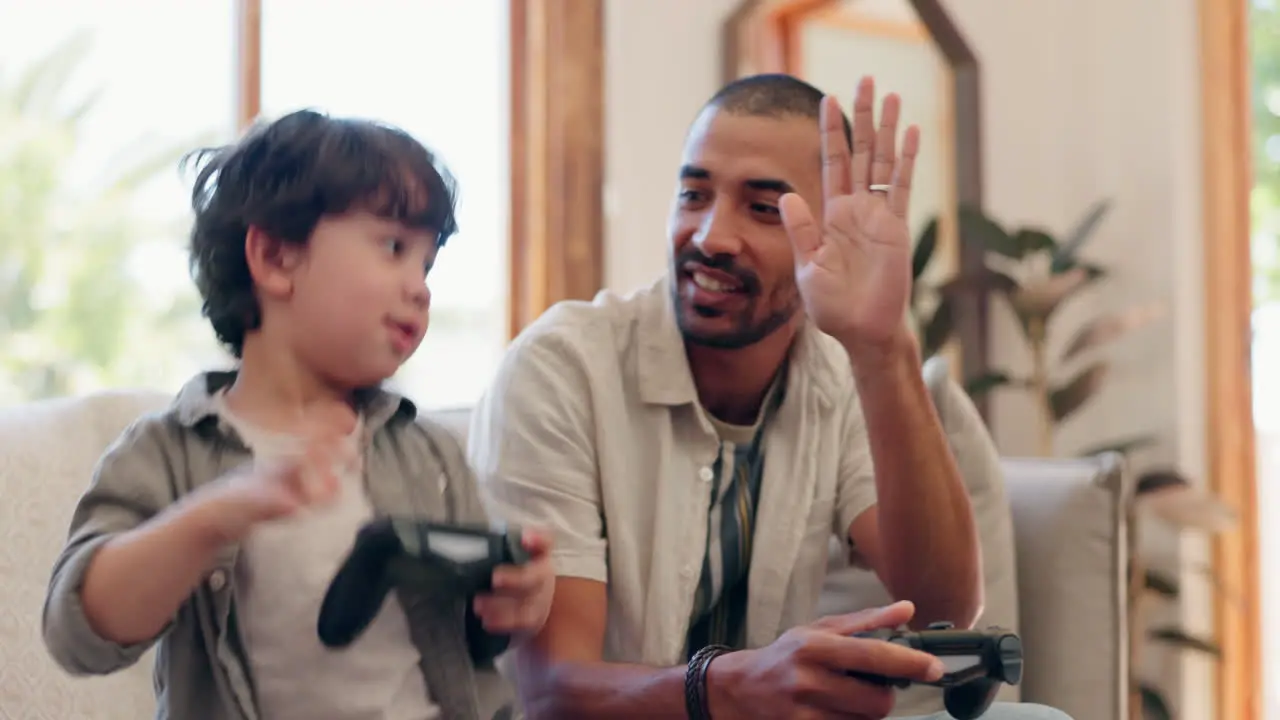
(774,95)
(282,178)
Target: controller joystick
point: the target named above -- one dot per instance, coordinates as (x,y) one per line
(391,551)
(976,662)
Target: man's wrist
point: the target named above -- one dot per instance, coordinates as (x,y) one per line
(720,679)
(874,360)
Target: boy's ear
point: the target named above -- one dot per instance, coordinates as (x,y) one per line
(272,262)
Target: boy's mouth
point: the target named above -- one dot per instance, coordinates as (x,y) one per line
(404,334)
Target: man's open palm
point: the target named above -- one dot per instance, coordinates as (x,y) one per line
(854,268)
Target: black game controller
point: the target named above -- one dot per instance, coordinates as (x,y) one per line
(392,551)
(976,662)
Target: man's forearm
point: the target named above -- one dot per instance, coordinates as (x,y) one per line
(928,539)
(573,690)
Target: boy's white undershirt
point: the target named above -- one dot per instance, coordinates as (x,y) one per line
(283,573)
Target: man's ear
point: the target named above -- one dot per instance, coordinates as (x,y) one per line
(272,262)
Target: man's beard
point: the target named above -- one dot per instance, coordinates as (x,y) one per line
(747,329)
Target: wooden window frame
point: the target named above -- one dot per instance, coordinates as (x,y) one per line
(556,242)
(557,154)
(1228,181)
(248,62)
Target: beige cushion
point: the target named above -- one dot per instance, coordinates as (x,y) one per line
(47,454)
(850,588)
(1071,534)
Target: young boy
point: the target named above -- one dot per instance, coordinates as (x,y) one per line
(214,527)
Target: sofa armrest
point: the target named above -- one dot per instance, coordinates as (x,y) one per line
(1071,539)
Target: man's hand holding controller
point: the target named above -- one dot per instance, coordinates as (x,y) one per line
(802,674)
(138,579)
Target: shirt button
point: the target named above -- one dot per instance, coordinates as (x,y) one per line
(707,474)
(217,580)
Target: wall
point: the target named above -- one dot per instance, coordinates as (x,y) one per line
(1082,99)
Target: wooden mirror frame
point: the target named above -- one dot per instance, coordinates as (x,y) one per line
(760,36)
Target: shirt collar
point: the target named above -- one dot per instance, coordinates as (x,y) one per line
(196,401)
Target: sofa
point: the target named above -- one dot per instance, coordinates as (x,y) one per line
(1054,531)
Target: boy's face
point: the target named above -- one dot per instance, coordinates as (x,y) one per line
(354,301)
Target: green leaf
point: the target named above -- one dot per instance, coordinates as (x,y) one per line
(938,330)
(1109,328)
(1162,584)
(43,83)
(1172,498)
(1182,639)
(1124,446)
(149,163)
(1154,706)
(1070,397)
(1093,272)
(1075,239)
(925,247)
(985,280)
(1154,481)
(976,227)
(1031,240)
(986,382)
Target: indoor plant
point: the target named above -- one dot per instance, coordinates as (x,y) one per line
(1037,274)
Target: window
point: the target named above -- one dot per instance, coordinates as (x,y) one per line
(75,316)
(94,290)
(438,70)
(1264,34)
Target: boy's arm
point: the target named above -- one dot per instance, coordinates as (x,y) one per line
(483,645)
(129,563)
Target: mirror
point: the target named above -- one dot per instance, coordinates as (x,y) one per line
(911,48)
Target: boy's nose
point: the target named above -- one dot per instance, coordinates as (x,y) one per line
(420,295)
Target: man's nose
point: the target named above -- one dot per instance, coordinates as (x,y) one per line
(718,234)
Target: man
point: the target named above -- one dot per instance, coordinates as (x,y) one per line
(764,395)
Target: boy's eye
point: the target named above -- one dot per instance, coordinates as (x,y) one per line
(394,245)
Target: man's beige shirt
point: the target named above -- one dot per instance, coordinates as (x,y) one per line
(592,429)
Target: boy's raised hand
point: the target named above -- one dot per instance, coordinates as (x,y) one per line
(277,487)
(521,597)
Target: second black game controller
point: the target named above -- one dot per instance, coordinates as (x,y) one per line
(390,551)
(976,662)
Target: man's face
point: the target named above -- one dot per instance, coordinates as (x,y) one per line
(733,273)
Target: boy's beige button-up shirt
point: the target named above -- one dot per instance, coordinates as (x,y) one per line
(592,429)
